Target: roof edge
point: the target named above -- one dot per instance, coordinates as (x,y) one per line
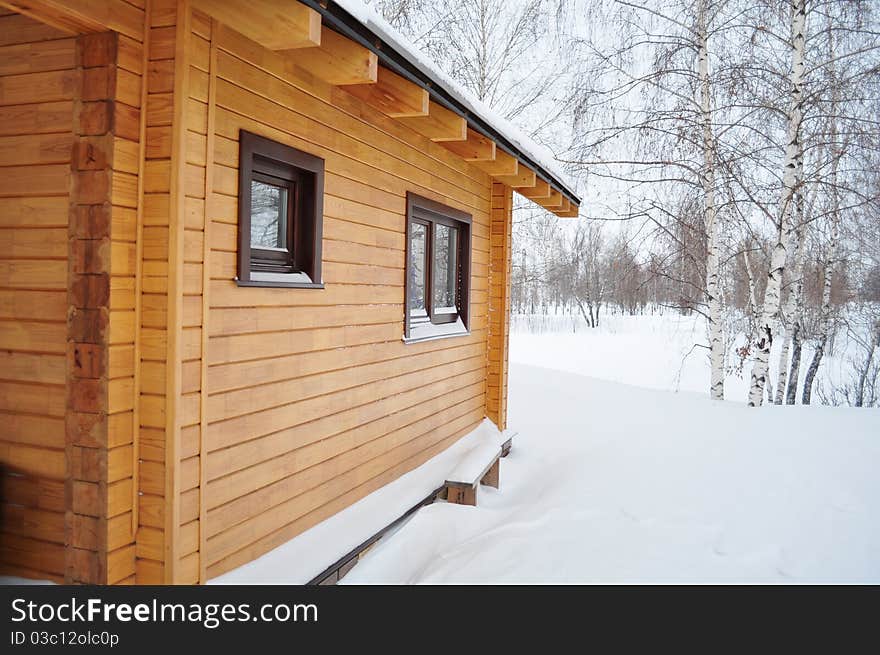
(341,20)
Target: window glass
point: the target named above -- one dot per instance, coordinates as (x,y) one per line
(417,248)
(280,214)
(269,205)
(438,270)
(445,267)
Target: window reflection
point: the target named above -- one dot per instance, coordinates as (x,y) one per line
(445,267)
(417,245)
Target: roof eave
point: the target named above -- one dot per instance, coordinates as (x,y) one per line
(343,22)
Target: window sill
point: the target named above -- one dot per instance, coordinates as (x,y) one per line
(430,332)
(280,280)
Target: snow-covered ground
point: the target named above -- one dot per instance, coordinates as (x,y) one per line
(616,478)
(655,351)
(613,481)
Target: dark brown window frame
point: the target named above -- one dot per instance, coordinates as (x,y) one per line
(303,174)
(431,213)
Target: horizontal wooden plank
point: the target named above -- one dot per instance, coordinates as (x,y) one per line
(126,156)
(33,243)
(35,149)
(395,376)
(241,456)
(225,543)
(34,212)
(233,321)
(225,293)
(334,476)
(370,403)
(121,564)
(17,28)
(28,367)
(42,180)
(290,530)
(30,275)
(131,56)
(37,57)
(32,554)
(222,350)
(31,460)
(33,337)
(151,510)
(42,431)
(242,375)
(38,87)
(36,492)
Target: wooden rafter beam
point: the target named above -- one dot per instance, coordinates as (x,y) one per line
(553,202)
(79,16)
(439,125)
(573,212)
(503,164)
(540,190)
(337,60)
(523,179)
(566,205)
(392,95)
(274,24)
(476,148)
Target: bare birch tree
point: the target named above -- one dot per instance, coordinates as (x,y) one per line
(767,326)
(667,111)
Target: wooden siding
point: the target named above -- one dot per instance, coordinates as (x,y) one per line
(101,316)
(37,88)
(69,211)
(312,400)
(236,417)
(125,294)
(499,303)
(158,498)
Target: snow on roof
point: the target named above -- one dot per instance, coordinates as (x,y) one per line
(540,154)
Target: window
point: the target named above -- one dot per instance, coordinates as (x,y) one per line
(280,208)
(438,258)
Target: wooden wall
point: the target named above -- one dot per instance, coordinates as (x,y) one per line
(37,85)
(173,194)
(312,398)
(236,417)
(124,340)
(69,199)
(499,303)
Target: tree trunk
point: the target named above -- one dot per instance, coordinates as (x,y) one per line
(790,184)
(793,300)
(753,297)
(795,371)
(863,374)
(813,369)
(716,336)
(588,318)
(831,259)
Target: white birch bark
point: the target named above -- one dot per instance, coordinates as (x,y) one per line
(795,369)
(716,336)
(827,315)
(830,261)
(866,368)
(753,294)
(790,183)
(794,333)
(793,299)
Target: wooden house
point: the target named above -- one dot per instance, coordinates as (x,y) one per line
(254,265)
